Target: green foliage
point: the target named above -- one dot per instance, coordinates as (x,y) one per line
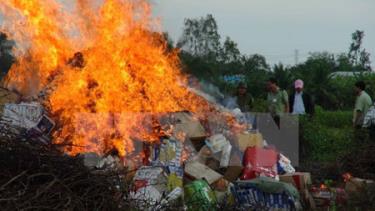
(201,37)
(359,57)
(204,56)
(259,105)
(283,75)
(230,52)
(328,134)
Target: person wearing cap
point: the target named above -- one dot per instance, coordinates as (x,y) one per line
(244,99)
(300,101)
(277,100)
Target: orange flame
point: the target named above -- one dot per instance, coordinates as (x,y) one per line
(102,68)
(323,186)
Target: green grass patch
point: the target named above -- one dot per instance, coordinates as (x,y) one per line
(327,135)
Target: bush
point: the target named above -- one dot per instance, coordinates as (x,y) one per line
(260,105)
(327,135)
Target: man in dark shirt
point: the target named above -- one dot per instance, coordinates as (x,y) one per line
(244,99)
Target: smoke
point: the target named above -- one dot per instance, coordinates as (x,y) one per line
(230,102)
(212,93)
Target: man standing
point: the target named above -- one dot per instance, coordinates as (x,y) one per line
(277,100)
(301,104)
(362,104)
(300,101)
(244,99)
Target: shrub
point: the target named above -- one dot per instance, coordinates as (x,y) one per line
(327,135)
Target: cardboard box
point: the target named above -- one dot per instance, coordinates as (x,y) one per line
(232,173)
(301,180)
(234,169)
(187,124)
(249,139)
(151,176)
(200,171)
(25,115)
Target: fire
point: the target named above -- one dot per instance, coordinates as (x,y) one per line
(103,69)
(323,186)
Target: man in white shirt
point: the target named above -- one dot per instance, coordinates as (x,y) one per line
(300,102)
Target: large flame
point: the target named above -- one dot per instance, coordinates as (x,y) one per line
(101,65)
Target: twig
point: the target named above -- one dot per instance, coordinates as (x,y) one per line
(13,179)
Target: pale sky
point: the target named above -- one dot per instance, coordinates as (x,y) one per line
(276,28)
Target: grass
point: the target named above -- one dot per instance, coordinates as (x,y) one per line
(327,135)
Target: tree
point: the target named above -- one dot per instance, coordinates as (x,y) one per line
(230,52)
(200,37)
(343,63)
(204,55)
(254,62)
(358,56)
(315,72)
(257,72)
(283,76)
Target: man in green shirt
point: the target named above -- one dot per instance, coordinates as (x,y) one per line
(277,100)
(362,104)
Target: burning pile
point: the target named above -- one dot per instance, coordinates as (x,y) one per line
(98,78)
(99,69)
(117,97)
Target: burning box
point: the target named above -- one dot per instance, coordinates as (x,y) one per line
(188,125)
(29,117)
(167,153)
(25,115)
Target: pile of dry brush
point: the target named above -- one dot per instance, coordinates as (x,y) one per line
(40,177)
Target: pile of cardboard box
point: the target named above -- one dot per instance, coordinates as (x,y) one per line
(238,167)
(222,168)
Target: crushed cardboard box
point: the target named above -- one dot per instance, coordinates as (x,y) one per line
(198,170)
(249,139)
(190,126)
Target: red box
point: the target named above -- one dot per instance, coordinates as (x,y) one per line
(260,157)
(259,162)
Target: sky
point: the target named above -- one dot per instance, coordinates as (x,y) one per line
(277,28)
